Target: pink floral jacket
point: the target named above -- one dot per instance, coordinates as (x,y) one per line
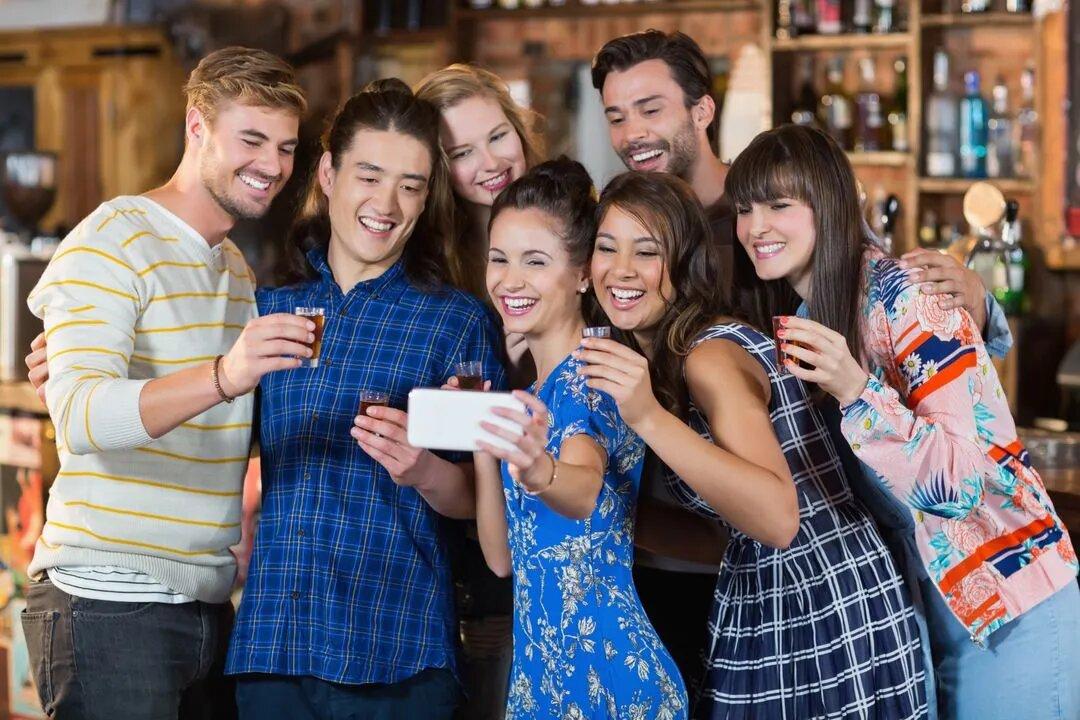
(934,423)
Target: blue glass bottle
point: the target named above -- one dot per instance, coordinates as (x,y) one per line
(973,128)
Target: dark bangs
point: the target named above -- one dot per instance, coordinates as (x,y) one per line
(765,171)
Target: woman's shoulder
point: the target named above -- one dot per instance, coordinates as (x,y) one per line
(888,283)
(736,331)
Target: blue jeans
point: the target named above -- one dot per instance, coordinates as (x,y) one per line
(104,660)
(432,694)
(1029,669)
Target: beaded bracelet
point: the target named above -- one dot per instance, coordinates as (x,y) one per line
(216,381)
(554,476)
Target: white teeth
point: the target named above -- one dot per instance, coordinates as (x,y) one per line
(376,225)
(769,249)
(494,182)
(252,182)
(624,294)
(519,303)
(647,155)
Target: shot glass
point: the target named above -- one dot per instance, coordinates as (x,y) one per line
(781,356)
(600,331)
(318,316)
(372,398)
(470,375)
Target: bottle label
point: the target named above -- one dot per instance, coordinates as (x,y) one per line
(940,164)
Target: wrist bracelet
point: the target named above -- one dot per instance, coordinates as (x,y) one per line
(216,381)
(554,476)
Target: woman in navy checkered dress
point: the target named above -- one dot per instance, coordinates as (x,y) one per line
(810,618)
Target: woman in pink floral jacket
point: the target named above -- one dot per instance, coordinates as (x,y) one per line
(921,406)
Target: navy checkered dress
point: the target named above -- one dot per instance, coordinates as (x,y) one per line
(825,628)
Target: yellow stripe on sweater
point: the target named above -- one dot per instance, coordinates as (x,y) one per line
(73,323)
(94,251)
(200,426)
(177,296)
(147,233)
(86,416)
(192,326)
(118,213)
(179,361)
(84,283)
(190,458)
(148,483)
(94,369)
(169,263)
(133,543)
(103,351)
(151,516)
(81,308)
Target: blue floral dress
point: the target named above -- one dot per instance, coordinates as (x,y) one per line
(583,647)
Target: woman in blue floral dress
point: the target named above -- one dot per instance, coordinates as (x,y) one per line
(558,511)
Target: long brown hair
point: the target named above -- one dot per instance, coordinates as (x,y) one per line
(383,105)
(668,208)
(804,164)
(446,88)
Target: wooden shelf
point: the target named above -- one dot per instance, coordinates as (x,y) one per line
(1059,257)
(885,158)
(971,20)
(843,42)
(424,36)
(574,9)
(958,186)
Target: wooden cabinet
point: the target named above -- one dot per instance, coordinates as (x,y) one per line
(108,100)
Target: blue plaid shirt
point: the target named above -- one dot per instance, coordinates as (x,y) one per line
(350,581)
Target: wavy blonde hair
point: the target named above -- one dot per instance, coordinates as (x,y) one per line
(446,88)
(245,75)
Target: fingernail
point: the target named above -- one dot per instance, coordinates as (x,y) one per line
(927,287)
(311,337)
(784,320)
(311,326)
(781,333)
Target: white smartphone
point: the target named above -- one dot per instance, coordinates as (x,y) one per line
(450,419)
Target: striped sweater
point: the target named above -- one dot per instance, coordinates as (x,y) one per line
(134,293)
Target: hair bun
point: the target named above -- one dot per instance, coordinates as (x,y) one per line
(387,85)
(568,175)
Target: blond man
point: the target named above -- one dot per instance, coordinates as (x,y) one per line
(153,349)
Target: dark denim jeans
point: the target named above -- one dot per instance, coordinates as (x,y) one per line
(104,660)
(431,694)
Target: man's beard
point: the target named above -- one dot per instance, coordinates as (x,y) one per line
(217,187)
(682,152)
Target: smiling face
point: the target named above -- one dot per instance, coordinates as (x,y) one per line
(628,273)
(779,237)
(530,277)
(650,126)
(484,150)
(245,156)
(376,195)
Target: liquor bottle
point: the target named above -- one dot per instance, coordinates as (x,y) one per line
(987,258)
(999,134)
(785,26)
(886,16)
(804,111)
(1026,145)
(804,17)
(861,18)
(941,122)
(928,230)
(1014,299)
(828,17)
(835,111)
(868,124)
(972,128)
(897,117)
(974,6)
(890,213)
(1017,6)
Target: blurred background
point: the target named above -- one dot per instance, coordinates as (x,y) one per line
(91,107)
